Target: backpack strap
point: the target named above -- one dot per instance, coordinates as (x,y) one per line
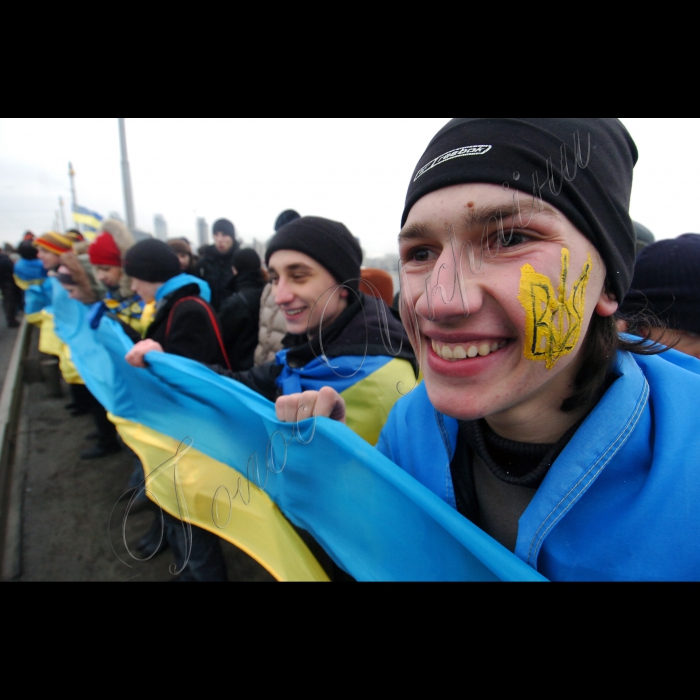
(212,318)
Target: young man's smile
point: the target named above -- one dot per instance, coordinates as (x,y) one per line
(305,291)
(484,280)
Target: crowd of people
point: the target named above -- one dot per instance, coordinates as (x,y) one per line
(552,342)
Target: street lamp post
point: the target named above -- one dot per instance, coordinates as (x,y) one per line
(126,178)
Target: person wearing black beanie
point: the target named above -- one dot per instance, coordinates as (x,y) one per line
(286,217)
(151,261)
(185,325)
(27,251)
(328,242)
(573,447)
(225,228)
(664,300)
(216,261)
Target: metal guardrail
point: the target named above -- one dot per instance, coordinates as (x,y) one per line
(9,418)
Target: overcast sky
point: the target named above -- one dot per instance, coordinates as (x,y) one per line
(249,170)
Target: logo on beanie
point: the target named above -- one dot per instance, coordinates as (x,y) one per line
(450,155)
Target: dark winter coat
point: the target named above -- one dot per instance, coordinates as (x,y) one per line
(216,269)
(7,268)
(192,331)
(239,317)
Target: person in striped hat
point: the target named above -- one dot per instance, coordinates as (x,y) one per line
(50,246)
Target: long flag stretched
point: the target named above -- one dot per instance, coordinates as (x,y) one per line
(216,456)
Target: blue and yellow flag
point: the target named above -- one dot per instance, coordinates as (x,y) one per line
(89,222)
(216,456)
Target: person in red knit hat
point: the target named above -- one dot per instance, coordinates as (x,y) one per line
(106,255)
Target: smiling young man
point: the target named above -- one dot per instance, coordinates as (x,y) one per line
(534,419)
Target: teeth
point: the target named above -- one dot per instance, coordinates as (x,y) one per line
(458,352)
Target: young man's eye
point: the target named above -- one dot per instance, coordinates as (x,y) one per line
(418,255)
(511,239)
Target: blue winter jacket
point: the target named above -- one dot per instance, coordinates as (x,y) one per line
(621,502)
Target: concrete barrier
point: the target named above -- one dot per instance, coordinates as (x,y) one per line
(9,417)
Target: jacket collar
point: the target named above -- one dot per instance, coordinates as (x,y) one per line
(182,280)
(602,434)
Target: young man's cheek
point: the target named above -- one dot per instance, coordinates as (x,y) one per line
(554,310)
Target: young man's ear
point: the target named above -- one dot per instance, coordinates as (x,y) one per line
(343,292)
(607,304)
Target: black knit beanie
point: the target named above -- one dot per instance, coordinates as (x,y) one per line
(246,259)
(328,242)
(151,261)
(27,251)
(540,155)
(666,282)
(224,226)
(286,217)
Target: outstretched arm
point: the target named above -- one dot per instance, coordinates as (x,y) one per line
(326,403)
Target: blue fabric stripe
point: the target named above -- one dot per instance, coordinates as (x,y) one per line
(30,270)
(341,372)
(39,296)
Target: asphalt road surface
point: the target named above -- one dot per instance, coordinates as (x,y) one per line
(71,510)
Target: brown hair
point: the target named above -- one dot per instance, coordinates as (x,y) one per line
(602,343)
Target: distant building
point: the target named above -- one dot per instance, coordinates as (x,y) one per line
(202,232)
(160,227)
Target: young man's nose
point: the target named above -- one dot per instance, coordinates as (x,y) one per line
(282,292)
(451,291)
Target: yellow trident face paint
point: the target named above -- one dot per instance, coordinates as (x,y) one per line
(553,322)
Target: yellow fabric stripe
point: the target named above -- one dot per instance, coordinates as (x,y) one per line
(36,319)
(258,528)
(24,284)
(369,402)
(147,316)
(68,369)
(51,344)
